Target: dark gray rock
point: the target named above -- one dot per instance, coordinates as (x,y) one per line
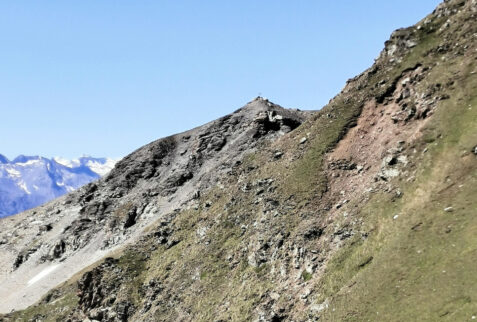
(23,256)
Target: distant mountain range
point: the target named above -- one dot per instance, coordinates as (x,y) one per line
(29,181)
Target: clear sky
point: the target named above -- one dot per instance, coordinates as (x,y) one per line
(106,77)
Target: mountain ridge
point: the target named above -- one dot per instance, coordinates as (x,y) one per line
(29,181)
(143,187)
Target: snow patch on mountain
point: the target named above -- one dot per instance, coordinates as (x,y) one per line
(29,181)
(100,166)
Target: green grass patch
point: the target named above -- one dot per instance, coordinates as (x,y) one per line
(306,276)
(423,263)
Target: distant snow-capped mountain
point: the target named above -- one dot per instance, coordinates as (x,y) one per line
(29,181)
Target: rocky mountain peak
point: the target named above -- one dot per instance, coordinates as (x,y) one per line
(25,158)
(3,159)
(29,181)
(150,183)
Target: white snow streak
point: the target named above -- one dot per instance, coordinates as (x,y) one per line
(42,274)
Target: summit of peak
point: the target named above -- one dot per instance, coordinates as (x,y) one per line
(262,104)
(4,159)
(25,158)
(261,101)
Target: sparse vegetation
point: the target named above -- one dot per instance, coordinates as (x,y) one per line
(306,276)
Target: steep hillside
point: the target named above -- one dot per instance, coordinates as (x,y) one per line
(29,181)
(364,212)
(48,245)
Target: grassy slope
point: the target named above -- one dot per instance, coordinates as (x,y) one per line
(423,263)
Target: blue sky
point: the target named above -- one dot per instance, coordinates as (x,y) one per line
(106,77)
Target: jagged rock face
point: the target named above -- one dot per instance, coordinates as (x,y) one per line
(177,167)
(96,291)
(181,156)
(148,184)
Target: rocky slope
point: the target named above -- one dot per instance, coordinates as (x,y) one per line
(154,182)
(364,211)
(29,181)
